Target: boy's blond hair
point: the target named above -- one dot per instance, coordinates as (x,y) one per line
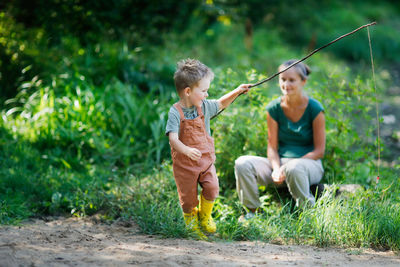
(189,72)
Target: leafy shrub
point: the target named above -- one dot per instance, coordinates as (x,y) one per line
(117,122)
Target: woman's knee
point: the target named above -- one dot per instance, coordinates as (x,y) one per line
(295,172)
(294,167)
(242,164)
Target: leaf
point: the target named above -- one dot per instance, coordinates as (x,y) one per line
(66,164)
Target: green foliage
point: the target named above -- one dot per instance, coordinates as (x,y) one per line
(296,22)
(113,123)
(232,134)
(87,19)
(97,35)
(18,49)
(13,209)
(350,154)
(50,181)
(156,207)
(82,130)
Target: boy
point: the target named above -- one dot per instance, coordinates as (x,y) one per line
(192,147)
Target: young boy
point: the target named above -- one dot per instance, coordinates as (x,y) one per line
(192,147)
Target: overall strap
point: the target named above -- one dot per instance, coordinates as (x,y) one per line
(199,111)
(178,107)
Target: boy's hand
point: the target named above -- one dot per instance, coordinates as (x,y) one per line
(227,99)
(193,153)
(243,88)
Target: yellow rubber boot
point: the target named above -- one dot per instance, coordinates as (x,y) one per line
(192,223)
(206,221)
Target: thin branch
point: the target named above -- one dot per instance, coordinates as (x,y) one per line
(312,53)
(304,58)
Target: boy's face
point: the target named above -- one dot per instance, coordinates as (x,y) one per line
(199,92)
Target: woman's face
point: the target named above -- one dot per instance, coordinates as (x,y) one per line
(290,82)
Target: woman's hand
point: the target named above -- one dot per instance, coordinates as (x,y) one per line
(193,153)
(278,175)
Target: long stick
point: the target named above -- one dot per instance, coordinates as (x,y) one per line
(312,53)
(304,58)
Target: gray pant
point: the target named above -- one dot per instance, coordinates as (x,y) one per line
(251,171)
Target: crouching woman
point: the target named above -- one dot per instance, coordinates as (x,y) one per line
(296,144)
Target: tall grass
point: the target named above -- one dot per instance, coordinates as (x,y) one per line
(88,137)
(368,218)
(66,153)
(117,122)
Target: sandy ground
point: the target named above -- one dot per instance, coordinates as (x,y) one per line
(83,242)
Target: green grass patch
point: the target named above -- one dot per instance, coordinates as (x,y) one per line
(367,218)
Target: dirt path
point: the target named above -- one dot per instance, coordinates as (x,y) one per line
(78,242)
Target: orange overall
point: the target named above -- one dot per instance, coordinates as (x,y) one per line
(187,172)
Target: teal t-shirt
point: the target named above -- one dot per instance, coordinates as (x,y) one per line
(295,139)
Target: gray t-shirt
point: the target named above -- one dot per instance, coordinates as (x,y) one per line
(209,107)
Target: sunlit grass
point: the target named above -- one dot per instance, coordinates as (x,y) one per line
(363,219)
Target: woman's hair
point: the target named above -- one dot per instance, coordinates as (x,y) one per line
(302,69)
(189,72)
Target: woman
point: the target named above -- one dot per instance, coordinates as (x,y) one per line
(296,144)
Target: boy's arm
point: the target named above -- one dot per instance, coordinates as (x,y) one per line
(180,147)
(227,99)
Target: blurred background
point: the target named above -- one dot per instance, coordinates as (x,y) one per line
(86,87)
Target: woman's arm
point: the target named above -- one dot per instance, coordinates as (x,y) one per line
(319,138)
(272,150)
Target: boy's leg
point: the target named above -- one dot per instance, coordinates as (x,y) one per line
(250,171)
(192,222)
(186,185)
(209,183)
(300,174)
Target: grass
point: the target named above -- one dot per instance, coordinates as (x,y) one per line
(88,138)
(368,218)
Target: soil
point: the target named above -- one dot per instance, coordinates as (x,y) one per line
(87,242)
